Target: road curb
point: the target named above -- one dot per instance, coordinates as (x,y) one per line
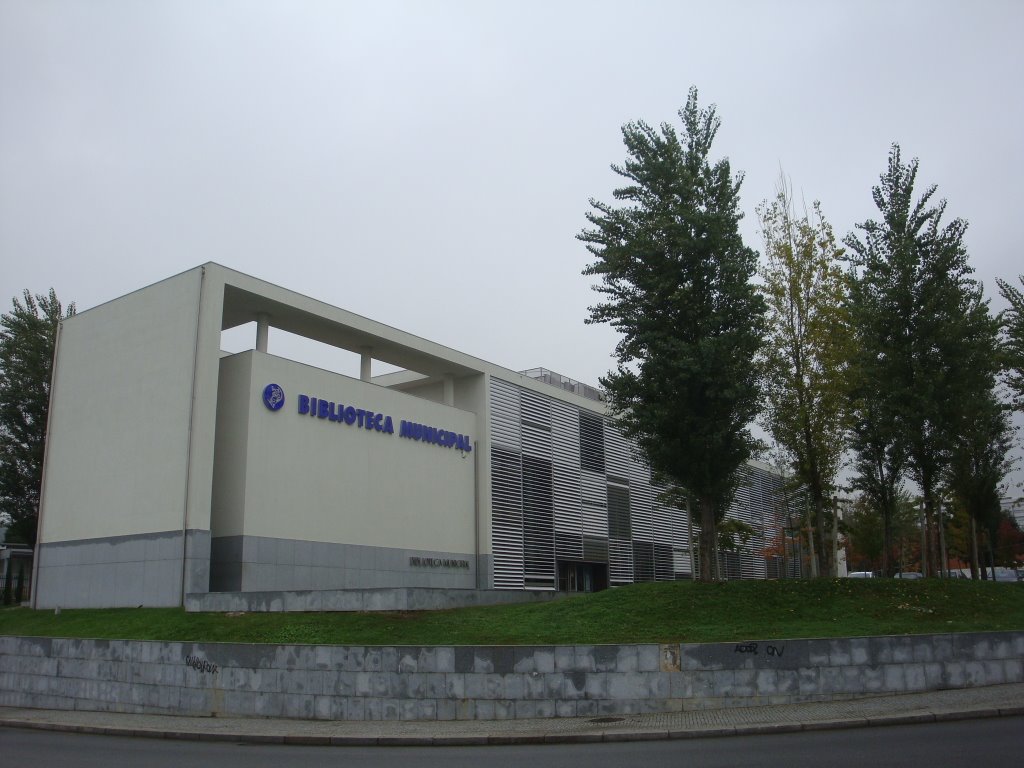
(495,739)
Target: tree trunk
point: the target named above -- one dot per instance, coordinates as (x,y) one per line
(974,549)
(834,546)
(924,542)
(820,534)
(708,550)
(887,513)
(810,543)
(944,569)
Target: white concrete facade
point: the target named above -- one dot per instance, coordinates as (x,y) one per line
(169,473)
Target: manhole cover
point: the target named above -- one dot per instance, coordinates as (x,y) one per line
(606,720)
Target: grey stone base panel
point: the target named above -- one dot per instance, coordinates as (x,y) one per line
(398,599)
(487,682)
(122,571)
(261,564)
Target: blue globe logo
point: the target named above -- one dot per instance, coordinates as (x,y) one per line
(273,397)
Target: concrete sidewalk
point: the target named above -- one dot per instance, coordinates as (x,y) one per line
(990,701)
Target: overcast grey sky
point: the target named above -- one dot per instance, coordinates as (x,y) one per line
(428,164)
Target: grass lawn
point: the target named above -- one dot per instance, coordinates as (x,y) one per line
(645,613)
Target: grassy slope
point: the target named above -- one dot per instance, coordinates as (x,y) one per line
(665,612)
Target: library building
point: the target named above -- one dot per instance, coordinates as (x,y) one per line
(175,471)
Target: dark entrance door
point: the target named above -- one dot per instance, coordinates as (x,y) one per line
(582,577)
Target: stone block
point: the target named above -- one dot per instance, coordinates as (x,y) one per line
(766,682)
(298,706)
(880,649)
(417,709)
(348,658)
(810,680)
(839,653)
(894,678)
(649,658)
(596,685)
(923,650)
(1001,647)
(446,709)
(953,674)
(443,659)
(942,648)
(621,658)
(574,685)
(565,709)
(533,709)
(539,659)
(627,685)
(787,681)
(860,650)
(455,685)
(974,673)
(565,658)
(411,686)
(239,703)
(354,709)
(514,687)
(504,709)
(583,658)
(1014,670)
(390,709)
(484,686)
(499,660)
(408,660)
(995,672)
(372,684)
(818,653)
(903,649)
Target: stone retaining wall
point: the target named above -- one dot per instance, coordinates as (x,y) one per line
(489,682)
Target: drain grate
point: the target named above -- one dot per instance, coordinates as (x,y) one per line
(607,720)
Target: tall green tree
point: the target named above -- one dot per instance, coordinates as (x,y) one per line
(676,282)
(806,353)
(979,463)
(27,338)
(923,325)
(1013,340)
(878,457)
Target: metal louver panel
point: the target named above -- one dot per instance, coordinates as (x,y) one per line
(594,488)
(617,454)
(681,561)
(535,411)
(641,512)
(505,418)
(745,509)
(565,434)
(567,493)
(620,562)
(591,442)
(618,513)
(538,525)
(567,482)
(507,519)
(663,562)
(643,561)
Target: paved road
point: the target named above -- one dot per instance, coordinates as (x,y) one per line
(936,745)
